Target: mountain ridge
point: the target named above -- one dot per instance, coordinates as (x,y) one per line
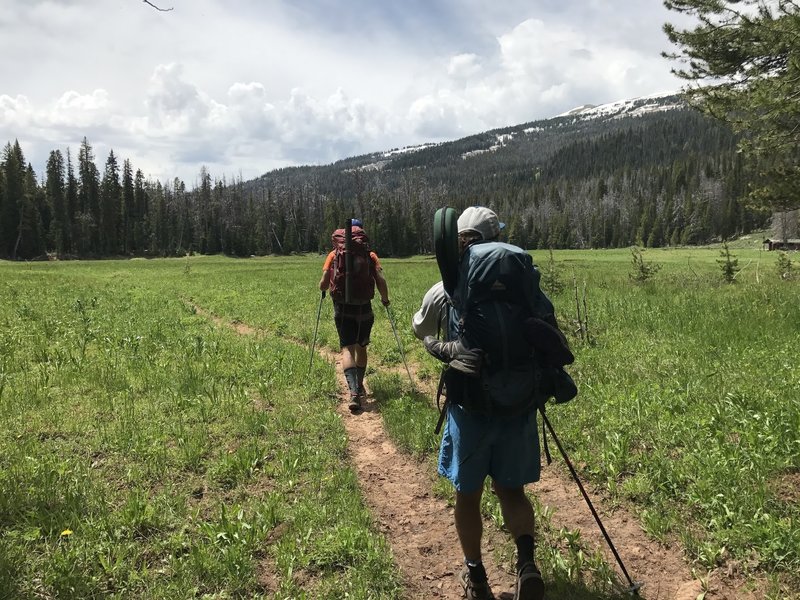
(649,170)
(632,107)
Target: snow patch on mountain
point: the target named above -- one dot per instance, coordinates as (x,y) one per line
(407,149)
(578,110)
(502,140)
(629,107)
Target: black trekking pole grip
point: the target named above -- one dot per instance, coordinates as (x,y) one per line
(633,586)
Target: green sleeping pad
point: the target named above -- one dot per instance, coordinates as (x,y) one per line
(445,242)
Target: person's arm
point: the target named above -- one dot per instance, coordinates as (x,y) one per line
(428,319)
(380,280)
(383,288)
(325,282)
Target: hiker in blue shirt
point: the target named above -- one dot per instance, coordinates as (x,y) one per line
(476,445)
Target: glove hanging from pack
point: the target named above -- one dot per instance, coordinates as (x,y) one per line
(458,356)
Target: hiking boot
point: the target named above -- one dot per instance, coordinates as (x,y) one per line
(475,591)
(355,403)
(530,585)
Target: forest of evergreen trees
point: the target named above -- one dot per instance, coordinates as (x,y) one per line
(672,178)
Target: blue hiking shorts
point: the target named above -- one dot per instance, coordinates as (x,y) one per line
(475,446)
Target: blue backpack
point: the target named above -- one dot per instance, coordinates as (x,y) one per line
(496,305)
(496,296)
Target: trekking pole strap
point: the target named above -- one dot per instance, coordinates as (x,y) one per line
(634,587)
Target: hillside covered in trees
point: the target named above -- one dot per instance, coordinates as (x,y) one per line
(650,172)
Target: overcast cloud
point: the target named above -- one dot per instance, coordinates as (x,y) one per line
(246,86)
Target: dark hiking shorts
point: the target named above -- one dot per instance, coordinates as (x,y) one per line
(353,323)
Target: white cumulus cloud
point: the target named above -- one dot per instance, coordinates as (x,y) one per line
(251,86)
(464,66)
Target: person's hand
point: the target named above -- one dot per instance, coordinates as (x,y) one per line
(385,302)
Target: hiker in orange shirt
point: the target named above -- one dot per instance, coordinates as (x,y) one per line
(353,316)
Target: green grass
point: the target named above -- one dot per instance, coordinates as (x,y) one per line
(177,451)
(146,452)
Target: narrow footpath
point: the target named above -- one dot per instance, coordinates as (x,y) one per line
(420,530)
(419,526)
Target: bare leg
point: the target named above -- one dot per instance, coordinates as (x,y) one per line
(518,514)
(361,356)
(469,524)
(349,356)
(517,510)
(361,366)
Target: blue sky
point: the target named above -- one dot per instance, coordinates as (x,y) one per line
(246,86)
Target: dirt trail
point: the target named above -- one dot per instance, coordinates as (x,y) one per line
(418,526)
(420,530)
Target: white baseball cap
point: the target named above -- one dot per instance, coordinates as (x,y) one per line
(480,220)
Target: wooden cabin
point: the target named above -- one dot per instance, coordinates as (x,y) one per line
(786,245)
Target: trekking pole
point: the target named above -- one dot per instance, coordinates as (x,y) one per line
(399,346)
(316,327)
(633,587)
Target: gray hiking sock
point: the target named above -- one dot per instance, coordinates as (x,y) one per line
(351,375)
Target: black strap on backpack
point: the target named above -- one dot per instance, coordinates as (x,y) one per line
(443,407)
(440,388)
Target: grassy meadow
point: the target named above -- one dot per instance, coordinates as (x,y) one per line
(147,452)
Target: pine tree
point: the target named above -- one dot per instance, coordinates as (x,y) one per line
(2,207)
(31,241)
(12,177)
(110,207)
(742,66)
(71,206)
(88,215)
(142,219)
(128,216)
(14,213)
(728,264)
(56,197)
